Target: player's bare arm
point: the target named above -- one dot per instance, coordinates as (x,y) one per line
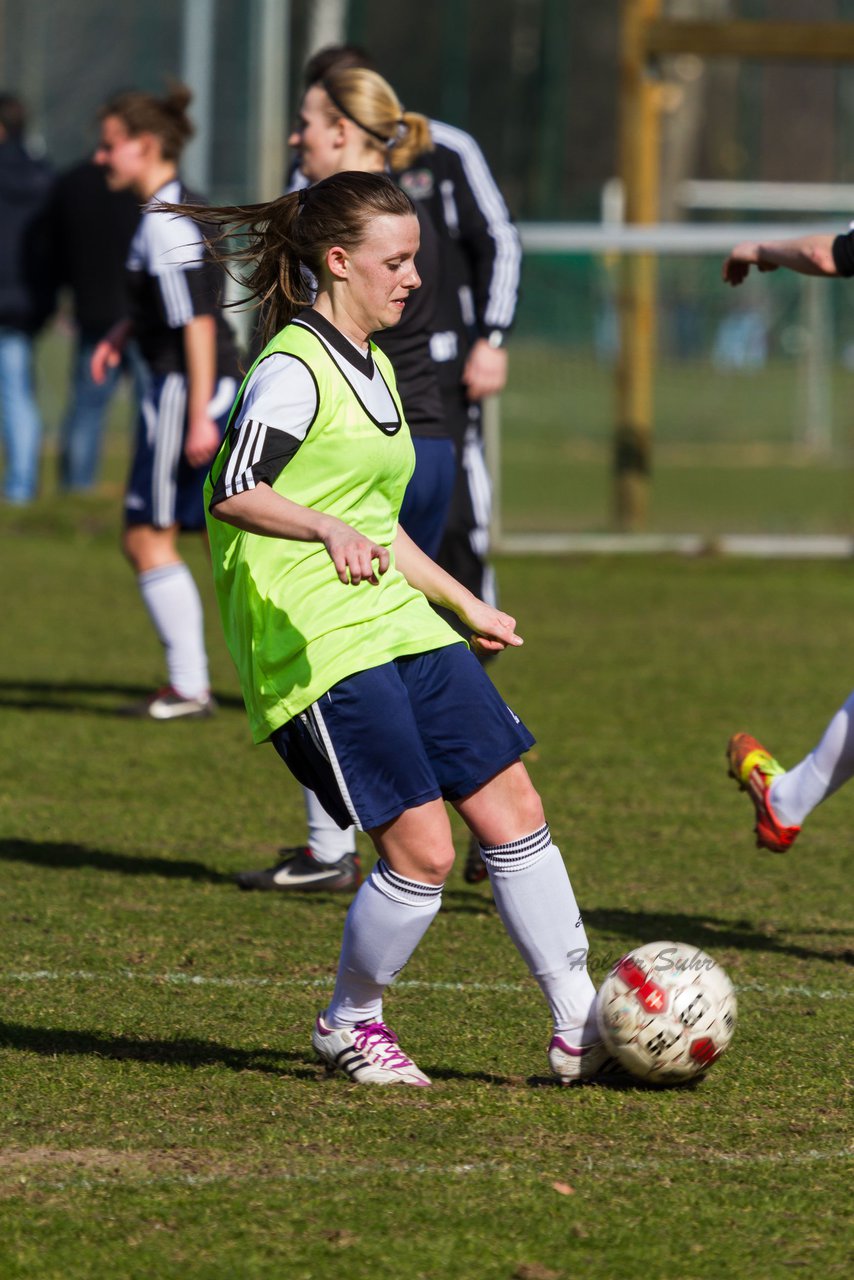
(485,372)
(263,511)
(492,630)
(203,438)
(807,255)
(108,352)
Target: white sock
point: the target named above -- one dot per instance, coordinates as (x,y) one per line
(172,599)
(387,919)
(796,793)
(538,909)
(327,841)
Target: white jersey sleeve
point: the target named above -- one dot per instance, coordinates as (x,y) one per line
(170,248)
(277,411)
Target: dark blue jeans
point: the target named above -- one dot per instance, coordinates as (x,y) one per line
(82,429)
(21,420)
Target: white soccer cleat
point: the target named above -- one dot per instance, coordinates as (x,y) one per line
(574,1065)
(168,704)
(368,1053)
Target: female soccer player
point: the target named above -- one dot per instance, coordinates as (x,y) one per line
(369,697)
(174,290)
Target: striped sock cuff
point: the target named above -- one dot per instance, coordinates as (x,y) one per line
(162,571)
(518,855)
(413,892)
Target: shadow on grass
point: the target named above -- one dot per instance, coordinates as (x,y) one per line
(472,1077)
(53,1041)
(466,903)
(708,933)
(618,1081)
(81,695)
(65,857)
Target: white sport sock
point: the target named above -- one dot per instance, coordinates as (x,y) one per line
(796,793)
(386,921)
(172,599)
(327,841)
(538,909)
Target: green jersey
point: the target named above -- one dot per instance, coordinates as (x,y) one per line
(292,627)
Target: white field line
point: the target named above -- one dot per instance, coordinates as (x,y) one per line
(759,546)
(41,1176)
(200,980)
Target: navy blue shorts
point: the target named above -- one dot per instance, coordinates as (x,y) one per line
(163,489)
(393,737)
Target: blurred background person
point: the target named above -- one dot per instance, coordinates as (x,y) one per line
(91,228)
(26,297)
(190,370)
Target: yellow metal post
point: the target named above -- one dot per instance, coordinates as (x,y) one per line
(644,37)
(791,41)
(639,169)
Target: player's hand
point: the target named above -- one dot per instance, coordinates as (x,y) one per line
(203,440)
(485,370)
(353,555)
(106,356)
(744,256)
(492,630)
(735,271)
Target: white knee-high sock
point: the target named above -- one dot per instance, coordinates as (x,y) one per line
(796,793)
(172,599)
(327,841)
(538,909)
(386,921)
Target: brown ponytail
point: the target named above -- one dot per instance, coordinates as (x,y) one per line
(295,232)
(166,118)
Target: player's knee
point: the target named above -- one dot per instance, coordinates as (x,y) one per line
(531,812)
(432,862)
(436,864)
(528,812)
(423,860)
(130,550)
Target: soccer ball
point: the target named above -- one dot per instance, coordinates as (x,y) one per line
(666,1012)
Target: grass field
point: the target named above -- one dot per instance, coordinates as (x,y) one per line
(728,455)
(160,1113)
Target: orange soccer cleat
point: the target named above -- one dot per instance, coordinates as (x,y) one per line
(754,769)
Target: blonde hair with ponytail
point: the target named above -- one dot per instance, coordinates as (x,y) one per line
(366,99)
